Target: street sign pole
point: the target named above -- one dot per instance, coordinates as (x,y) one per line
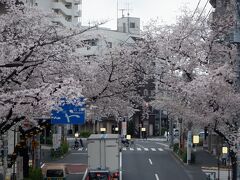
(160,122)
(189,146)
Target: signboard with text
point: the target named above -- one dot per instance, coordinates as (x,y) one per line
(69,112)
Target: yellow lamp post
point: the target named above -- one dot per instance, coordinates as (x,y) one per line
(116,129)
(76,135)
(224,150)
(144,132)
(103,130)
(195,139)
(128,137)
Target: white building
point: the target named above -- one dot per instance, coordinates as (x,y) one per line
(100,39)
(69,11)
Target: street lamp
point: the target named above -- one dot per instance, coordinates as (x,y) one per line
(102,130)
(128,137)
(224,150)
(195,141)
(143,132)
(76,135)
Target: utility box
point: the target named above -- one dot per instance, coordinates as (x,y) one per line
(104,153)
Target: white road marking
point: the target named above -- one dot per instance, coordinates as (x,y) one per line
(124,149)
(139,149)
(150,161)
(160,149)
(140,145)
(156,176)
(153,149)
(146,149)
(131,149)
(79,153)
(42,165)
(120,162)
(162,144)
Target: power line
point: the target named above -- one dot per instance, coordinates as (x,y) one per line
(202,11)
(196,8)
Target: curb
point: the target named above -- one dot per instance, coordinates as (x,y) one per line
(214,168)
(178,158)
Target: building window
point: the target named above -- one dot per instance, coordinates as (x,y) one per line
(91,42)
(145,92)
(109,44)
(152,93)
(132,25)
(124,27)
(68,18)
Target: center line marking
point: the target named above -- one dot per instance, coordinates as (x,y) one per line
(156,176)
(150,161)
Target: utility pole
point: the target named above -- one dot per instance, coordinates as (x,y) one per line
(160,122)
(180,133)
(237,66)
(189,143)
(171,132)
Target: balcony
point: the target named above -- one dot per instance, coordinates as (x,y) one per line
(77,1)
(78,13)
(62,7)
(62,21)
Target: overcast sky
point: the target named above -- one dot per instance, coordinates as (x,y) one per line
(166,10)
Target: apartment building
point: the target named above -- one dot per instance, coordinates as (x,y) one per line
(69,12)
(99,39)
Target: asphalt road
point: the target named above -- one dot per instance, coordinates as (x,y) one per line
(144,160)
(153,162)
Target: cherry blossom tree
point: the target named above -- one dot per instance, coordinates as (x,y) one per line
(195,72)
(40,63)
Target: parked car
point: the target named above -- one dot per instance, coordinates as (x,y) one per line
(55,172)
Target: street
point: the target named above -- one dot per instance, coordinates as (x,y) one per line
(151,161)
(143,160)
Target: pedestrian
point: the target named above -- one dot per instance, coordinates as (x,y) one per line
(81,142)
(76,144)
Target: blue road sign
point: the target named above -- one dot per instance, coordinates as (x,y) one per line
(69,113)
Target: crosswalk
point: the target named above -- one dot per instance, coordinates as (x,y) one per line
(142,149)
(132,149)
(82,149)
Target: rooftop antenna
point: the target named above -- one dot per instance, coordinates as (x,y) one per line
(128,9)
(122,11)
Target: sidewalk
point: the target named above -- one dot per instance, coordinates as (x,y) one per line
(46,153)
(208,163)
